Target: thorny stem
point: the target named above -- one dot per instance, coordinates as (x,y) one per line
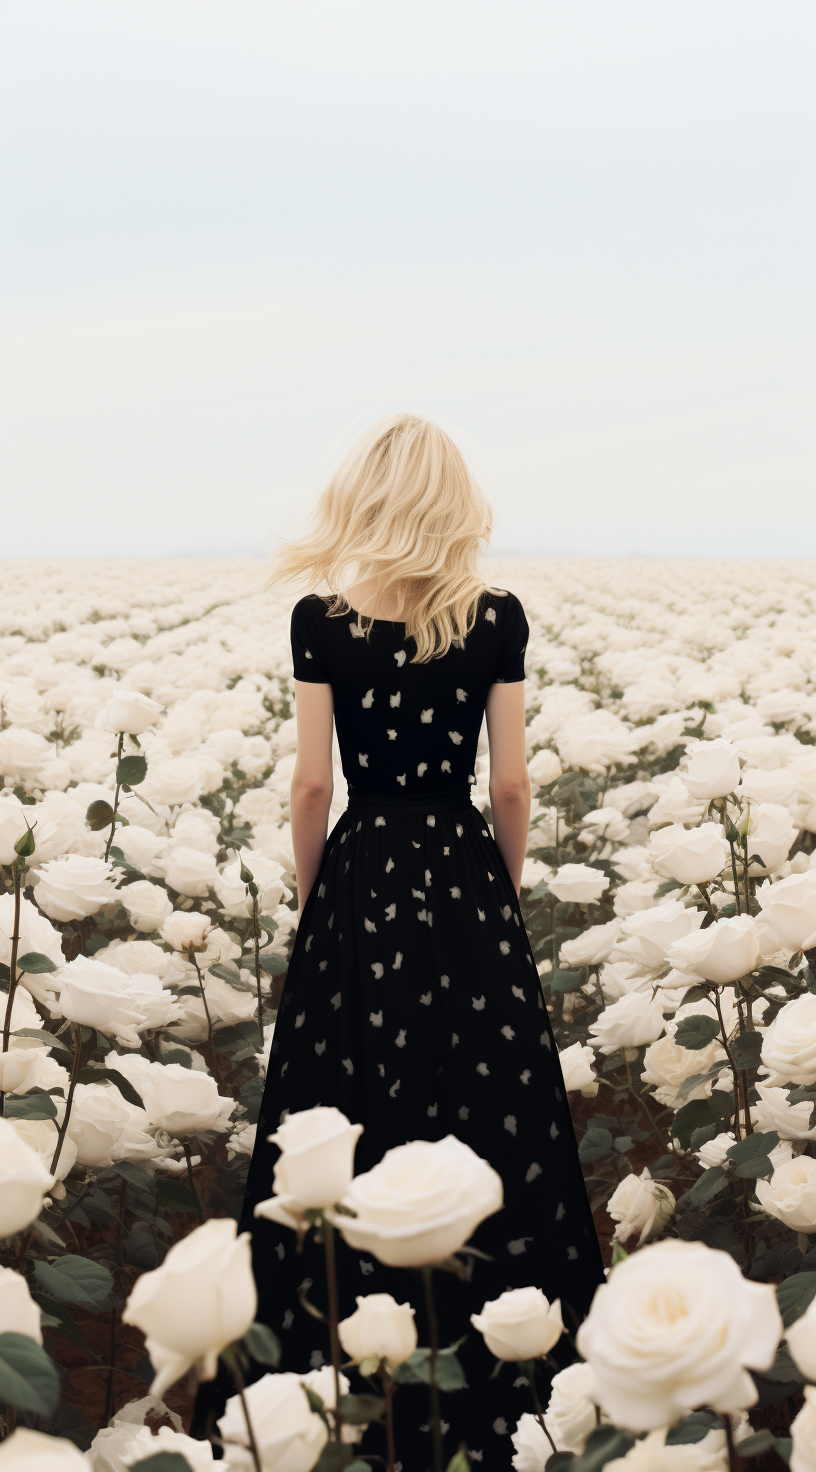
(15,941)
(388,1391)
(745,876)
(231,1361)
(188,1158)
(730,1057)
(706,901)
(528,1370)
(734,1459)
(736,881)
(256,935)
(327,1232)
(433,1335)
(75,1067)
(115,797)
(210,1040)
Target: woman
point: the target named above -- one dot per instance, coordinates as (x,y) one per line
(412,1000)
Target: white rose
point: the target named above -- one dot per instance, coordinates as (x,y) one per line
(267,874)
(196,828)
(142,849)
(634,1019)
(579,883)
(185,928)
(801,1339)
(666,1066)
(606,823)
(789,1044)
(421,1203)
(321,1382)
(722,953)
(773,1112)
(289,1434)
(572,1411)
(139,1442)
(766,787)
(791,905)
(596,741)
(771,836)
(642,1205)
(105,1128)
(41,1136)
(531,1447)
(31,1451)
(713,769)
(544,768)
(24,1181)
(521,1324)
(692,856)
(147,904)
(129,711)
(647,936)
(16,1064)
(636,895)
(74,886)
(790,1194)
(675,1327)
(316,1163)
(578,1067)
(132,956)
(189,871)
(592,946)
(201,1299)
(713,1152)
(182,1101)
(19,1314)
(22,753)
(675,805)
(174,780)
(98,995)
(36,934)
(12,827)
(803,1434)
(379,1329)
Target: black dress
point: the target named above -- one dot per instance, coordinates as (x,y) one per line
(413,1004)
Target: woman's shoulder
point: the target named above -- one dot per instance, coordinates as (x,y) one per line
(502,601)
(311,605)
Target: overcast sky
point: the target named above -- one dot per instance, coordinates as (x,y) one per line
(579,233)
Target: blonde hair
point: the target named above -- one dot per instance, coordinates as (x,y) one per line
(402,507)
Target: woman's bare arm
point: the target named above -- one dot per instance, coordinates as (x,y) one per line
(509,779)
(312,786)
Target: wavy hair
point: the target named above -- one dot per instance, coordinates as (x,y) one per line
(401,506)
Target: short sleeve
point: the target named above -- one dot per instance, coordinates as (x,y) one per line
(307,657)
(513,637)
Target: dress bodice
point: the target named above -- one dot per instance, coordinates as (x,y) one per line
(405,728)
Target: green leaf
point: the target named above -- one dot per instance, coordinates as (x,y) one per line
(359,1410)
(761,1142)
(693,1428)
(624,1143)
(603,1445)
(230,975)
(94,1075)
(178,1055)
(56,1315)
(46,1038)
(28,1378)
(176,1196)
(795,1295)
(746,1050)
(753,1170)
(131,770)
(162,1462)
(416,1370)
(559,1462)
(595,1145)
(754,1446)
(692,1116)
(708,1186)
(696,1031)
(75,1280)
(35,963)
(567,981)
(783,1368)
(273,965)
(99,815)
(263,1344)
(335,1456)
(36,1104)
(459,1462)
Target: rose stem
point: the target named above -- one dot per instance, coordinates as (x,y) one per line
(728,1054)
(15,940)
(188,1158)
(115,798)
(210,1039)
(327,1231)
(75,1067)
(388,1388)
(433,1335)
(231,1361)
(527,1368)
(256,936)
(734,1459)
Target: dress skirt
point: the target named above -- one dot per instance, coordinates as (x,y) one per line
(413,1004)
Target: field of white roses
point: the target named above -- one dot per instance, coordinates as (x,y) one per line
(147,908)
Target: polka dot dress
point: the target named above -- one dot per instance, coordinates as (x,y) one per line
(412,1003)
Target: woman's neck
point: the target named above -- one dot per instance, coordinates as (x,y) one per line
(361,598)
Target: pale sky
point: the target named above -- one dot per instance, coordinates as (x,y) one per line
(579,233)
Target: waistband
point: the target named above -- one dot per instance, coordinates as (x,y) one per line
(380,802)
